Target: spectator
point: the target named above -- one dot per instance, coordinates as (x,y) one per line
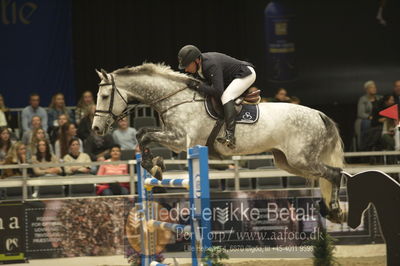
(44,155)
(54,131)
(36,123)
(3,119)
(280,96)
(295,100)
(37,135)
(57,107)
(381,134)
(33,110)
(16,155)
(5,143)
(98,147)
(85,126)
(396,93)
(76,156)
(68,131)
(9,119)
(365,108)
(125,136)
(112,169)
(85,103)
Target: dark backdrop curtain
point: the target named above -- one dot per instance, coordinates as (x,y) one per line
(114,34)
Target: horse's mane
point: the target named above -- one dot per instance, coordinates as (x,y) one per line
(152,69)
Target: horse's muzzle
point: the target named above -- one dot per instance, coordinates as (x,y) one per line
(97,131)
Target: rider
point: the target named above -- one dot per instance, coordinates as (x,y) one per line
(224,77)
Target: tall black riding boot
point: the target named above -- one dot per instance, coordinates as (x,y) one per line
(230,123)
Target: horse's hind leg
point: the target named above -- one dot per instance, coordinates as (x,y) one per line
(329,179)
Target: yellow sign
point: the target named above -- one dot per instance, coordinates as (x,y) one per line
(281,28)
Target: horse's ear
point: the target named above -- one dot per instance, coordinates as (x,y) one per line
(99,74)
(105,76)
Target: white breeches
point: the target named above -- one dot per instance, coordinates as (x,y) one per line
(238,86)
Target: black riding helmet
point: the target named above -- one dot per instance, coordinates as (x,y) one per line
(187,54)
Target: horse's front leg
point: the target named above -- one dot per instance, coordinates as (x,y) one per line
(155,165)
(142,132)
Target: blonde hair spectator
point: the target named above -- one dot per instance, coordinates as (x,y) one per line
(57,107)
(16,155)
(84,105)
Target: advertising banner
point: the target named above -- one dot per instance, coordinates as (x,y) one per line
(12,233)
(75,227)
(276,223)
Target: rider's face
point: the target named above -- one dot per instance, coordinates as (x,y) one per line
(191,68)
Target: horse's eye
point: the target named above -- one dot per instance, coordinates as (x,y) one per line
(104,97)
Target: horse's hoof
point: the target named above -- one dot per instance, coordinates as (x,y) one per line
(156,172)
(336,216)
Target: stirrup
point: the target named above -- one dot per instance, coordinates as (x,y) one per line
(231,144)
(228,142)
(222,140)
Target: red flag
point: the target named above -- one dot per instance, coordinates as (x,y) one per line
(391,112)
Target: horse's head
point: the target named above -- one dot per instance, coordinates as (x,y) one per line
(111,103)
(357,200)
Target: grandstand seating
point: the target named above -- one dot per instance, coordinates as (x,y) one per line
(145,121)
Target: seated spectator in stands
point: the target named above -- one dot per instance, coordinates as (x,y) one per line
(54,131)
(10,119)
(98,147)
(85,103)
(35,124)
(76,156)
(16,155)
(381,133)
(57,107)
(366,106)
(280,96)
(37,135)
(44,155)
(112,169)
(68,131)
(33,110)
(5,143)
(294,100)
(3,119)
(85,126)
(125,136)
(396,91)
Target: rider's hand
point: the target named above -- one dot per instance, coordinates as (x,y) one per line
(193,84)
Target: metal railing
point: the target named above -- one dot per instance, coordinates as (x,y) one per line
(237,173)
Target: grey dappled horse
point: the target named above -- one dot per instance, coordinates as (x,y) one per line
(304,141)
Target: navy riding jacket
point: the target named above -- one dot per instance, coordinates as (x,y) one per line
(219,70)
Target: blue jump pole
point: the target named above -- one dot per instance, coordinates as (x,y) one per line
(154,182)
(199,194)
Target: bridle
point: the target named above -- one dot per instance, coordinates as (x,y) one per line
(115,117)
(127,109)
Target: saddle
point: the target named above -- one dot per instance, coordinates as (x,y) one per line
(247,111)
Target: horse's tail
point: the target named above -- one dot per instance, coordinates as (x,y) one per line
(332,154)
